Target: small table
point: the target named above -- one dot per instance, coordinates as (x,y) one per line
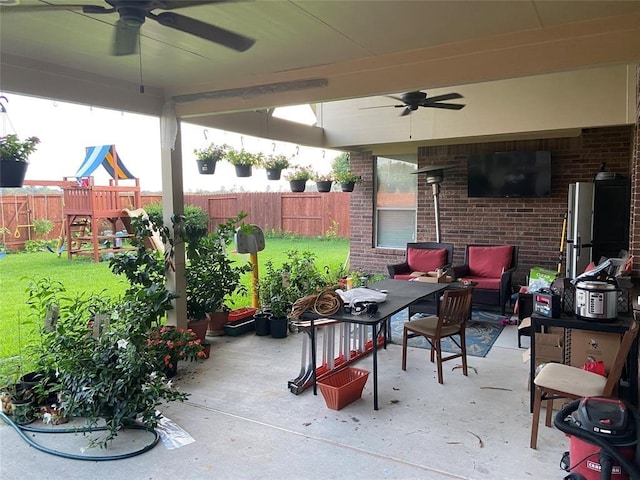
(620,325)
(400,294)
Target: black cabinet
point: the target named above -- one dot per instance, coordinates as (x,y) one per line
(611,211)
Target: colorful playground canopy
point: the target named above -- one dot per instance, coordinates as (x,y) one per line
(106,156)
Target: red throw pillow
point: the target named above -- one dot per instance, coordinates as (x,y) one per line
(426,260)
(489,261)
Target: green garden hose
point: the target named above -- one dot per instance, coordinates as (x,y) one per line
(25,428)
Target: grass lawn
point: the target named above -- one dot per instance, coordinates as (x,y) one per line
(82,275)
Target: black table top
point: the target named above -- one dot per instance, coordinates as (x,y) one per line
(400,294)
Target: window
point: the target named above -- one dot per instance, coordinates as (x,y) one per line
(395,202)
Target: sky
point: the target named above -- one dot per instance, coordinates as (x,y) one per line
(66,129)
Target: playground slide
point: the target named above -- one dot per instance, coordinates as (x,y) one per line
(156,240)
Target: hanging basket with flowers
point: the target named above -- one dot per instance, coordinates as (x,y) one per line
(208,157)
(14,159)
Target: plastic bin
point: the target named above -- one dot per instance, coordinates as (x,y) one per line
(343,387)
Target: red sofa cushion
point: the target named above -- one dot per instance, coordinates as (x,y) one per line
(426,260)
(485,283)
(489,261)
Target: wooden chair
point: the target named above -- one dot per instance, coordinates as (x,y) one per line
(557,380)
(455,310)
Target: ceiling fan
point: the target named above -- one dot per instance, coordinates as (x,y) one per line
(133,13)
(411,101)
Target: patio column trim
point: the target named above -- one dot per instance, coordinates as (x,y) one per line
(173,204)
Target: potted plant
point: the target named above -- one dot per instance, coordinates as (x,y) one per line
(207,157)
(243,161)
(298,178)
(275,298)
(274,164)
(324,181)
(212,276)
(16,397)
(118,373)
(281,286)
(348,181)
(341,167)
(14,159)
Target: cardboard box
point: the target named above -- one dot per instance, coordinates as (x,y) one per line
(432,277)
(586,345)
(549,348)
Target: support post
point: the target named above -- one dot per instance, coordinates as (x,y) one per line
(173,204)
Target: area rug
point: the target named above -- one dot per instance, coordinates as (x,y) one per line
(482,332)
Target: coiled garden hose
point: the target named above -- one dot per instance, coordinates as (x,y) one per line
(25,428)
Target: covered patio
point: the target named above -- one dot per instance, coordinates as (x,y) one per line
(246,424)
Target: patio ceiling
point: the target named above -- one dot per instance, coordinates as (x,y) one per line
(306,51)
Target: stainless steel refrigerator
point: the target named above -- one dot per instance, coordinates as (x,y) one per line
(579,227)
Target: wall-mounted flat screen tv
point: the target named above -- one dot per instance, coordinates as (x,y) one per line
(509,174)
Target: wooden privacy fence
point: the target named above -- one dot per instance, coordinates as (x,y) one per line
(306,214)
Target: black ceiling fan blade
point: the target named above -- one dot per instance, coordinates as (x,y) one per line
(43,7)
(448,106)
(397,99)
(125,40)
(440,98)
(203,30)
(380,106)
(406,111)
(173,4)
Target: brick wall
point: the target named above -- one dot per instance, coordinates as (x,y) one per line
(534,224)
(634,241)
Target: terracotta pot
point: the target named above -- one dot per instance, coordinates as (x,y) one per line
(217,321)
(199,327)
(206,348)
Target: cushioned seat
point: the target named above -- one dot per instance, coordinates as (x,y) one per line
(490,267)
(422,257)
(557,380)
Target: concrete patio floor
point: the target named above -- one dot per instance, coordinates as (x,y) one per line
(246,424)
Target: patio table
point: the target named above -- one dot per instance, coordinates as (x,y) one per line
(400,294)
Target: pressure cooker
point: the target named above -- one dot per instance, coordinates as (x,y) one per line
(596,300)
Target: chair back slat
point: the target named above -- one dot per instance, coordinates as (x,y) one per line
(455,308)
(621,357)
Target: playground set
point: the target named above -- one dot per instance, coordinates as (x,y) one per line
(96,218)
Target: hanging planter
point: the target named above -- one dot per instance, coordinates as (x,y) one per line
(208,157)
(206,167)
(274,164)
(324,186)
(298,185)
(348,181)
(274,173)
(243,161)
(12,173)
(347,186)
(14,155)
(244,170)
(298,178)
